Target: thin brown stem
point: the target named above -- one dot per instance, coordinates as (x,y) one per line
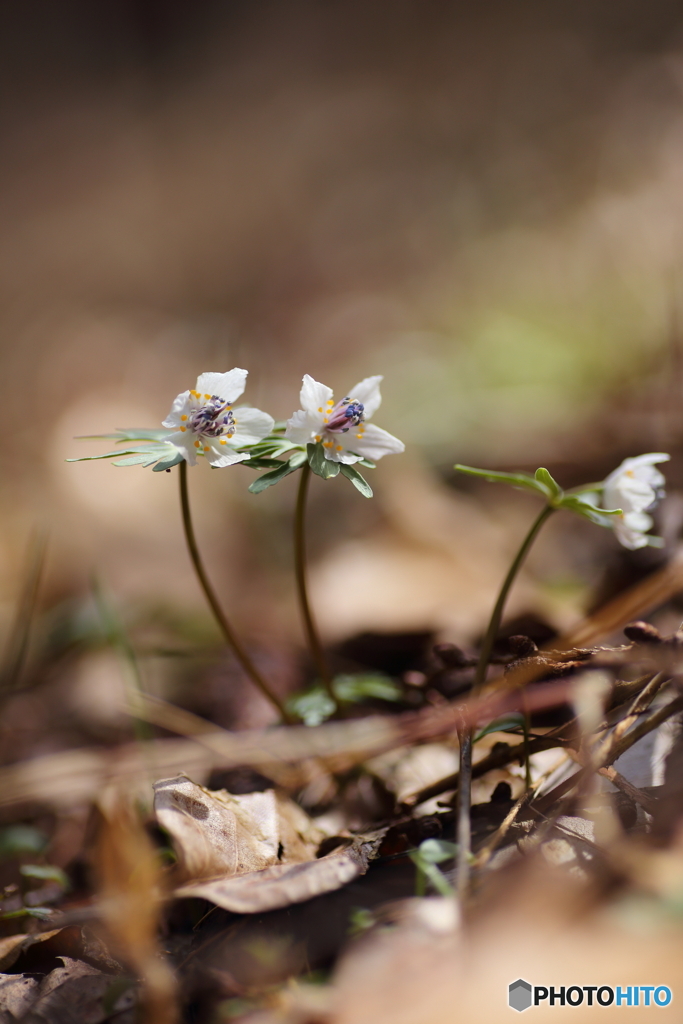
(464,832)
(312,635)
(218,613)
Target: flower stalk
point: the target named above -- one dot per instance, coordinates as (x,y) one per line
(218,613)
(464,832)
(312,635)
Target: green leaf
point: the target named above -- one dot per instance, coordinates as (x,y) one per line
(21,839)
(542,476)
(355,688)
(316,458)
(298,459)
(141,455)
(428,854)
(168,463)
(521,481)
(368,463)
(511,722)
(274,477)
(130,434)
(261,463)
(435,851)
(329,470)
(577,504)
(313,707)
(42,913)
(358,481)
(107,455)
(46,873)
(137,460)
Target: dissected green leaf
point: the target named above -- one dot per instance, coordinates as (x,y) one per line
(167,455)
(358,481)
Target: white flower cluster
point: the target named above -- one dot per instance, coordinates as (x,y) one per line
(206,424)
(634,487)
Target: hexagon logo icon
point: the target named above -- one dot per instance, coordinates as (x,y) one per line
(519,995)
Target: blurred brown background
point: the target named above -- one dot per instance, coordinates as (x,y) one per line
(482,201)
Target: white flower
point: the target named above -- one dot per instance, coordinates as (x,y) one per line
(634,487)
(342,428)
(207,424)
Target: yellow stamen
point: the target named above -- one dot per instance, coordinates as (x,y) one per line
(223,441)
(340,447)
(330,401)
(327,444)
(183,429)
(206,449)
(183,418)
(320,409)
(207,396)
(318,437)
(198,444)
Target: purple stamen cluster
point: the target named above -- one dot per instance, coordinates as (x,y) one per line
(213,419)
(346,414)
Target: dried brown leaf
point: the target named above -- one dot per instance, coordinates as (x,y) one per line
(284,884)
(216,833)
(72,994)
(13,946)
(17,993)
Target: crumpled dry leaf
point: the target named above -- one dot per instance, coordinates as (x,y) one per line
(283,884)
(216,833)
(72,994)
(17,993)
(13,946)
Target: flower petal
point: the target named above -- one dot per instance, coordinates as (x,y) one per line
(220,455)
(251,426)
(184,442)
(314,396)
(228,386)
(338,452)
(180,407)
(373,443)
(367,392)
(631,529)
(302,426)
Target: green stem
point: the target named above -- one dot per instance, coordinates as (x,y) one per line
(312,636)
(464,835)
(219,615)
